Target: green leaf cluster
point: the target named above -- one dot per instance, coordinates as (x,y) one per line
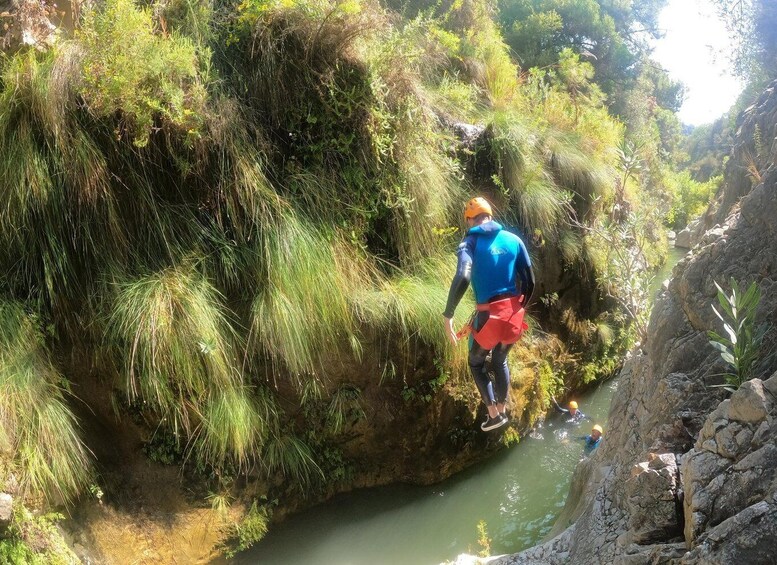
(128,68)
(740,348)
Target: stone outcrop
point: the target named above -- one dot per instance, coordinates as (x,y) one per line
(731,474)
(690,235)
(686,475)
(26,23)
(6,511)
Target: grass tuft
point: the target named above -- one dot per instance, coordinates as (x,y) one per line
(174,342)
(302,310)
(292,457)
(37,425)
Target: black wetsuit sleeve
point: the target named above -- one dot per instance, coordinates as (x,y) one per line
(525,282)
(461,278)
(557,407)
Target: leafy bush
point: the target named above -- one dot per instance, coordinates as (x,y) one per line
(689,198)
(251,529)
(35,540)
(142,75)
(741,350)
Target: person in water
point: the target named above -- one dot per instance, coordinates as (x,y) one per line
(592,440)
(574,414)
(497,264)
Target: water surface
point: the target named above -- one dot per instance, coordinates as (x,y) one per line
(518,493)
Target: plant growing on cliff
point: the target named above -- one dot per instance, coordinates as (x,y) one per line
(249,530)
(741,349)
(36,424)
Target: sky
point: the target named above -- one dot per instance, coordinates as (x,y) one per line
(692,51)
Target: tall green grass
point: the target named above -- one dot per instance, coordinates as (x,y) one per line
(575,170)
(174,342)
(290,456)
(405,311)
(232,428)
(37,425)
(530,187)
(301,315)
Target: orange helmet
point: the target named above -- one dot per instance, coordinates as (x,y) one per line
(476,207)
(573,404)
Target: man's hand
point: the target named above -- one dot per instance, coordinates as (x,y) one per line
(449,330)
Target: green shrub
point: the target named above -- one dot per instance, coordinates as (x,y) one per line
(251,529)
(741,350)
(35,540)
(689,198)
(130,69)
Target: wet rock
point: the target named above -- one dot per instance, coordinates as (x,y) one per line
(6,511)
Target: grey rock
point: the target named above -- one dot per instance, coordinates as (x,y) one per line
(749,403)
(6,510)
(652,500)
(683,238)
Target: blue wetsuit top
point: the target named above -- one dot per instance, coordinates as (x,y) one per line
(495,261)
(591,443)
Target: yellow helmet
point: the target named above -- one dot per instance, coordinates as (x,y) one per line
(476,207)
(597,428)
(573,404)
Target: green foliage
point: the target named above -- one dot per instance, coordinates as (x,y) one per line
(35,540)
(691,198)
(549,381)
(624,273)
(164,447)
(344,408)
(483,540)
(220,503)
(37,425)
(333,467)
(292,458)
(174,341)
(741,349)
(130,69)
(251,529)
(510,437)
(751,27)
(233,427)
(405,311)
(539,30)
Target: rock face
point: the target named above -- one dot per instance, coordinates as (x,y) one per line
(686,475)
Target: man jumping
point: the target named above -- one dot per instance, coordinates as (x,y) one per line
(497,264)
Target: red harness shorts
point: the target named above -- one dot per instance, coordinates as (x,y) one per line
(504,325)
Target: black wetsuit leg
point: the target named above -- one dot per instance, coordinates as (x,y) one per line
(501,371)
(477,364)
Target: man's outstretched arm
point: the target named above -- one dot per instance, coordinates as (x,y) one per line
(458,287)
